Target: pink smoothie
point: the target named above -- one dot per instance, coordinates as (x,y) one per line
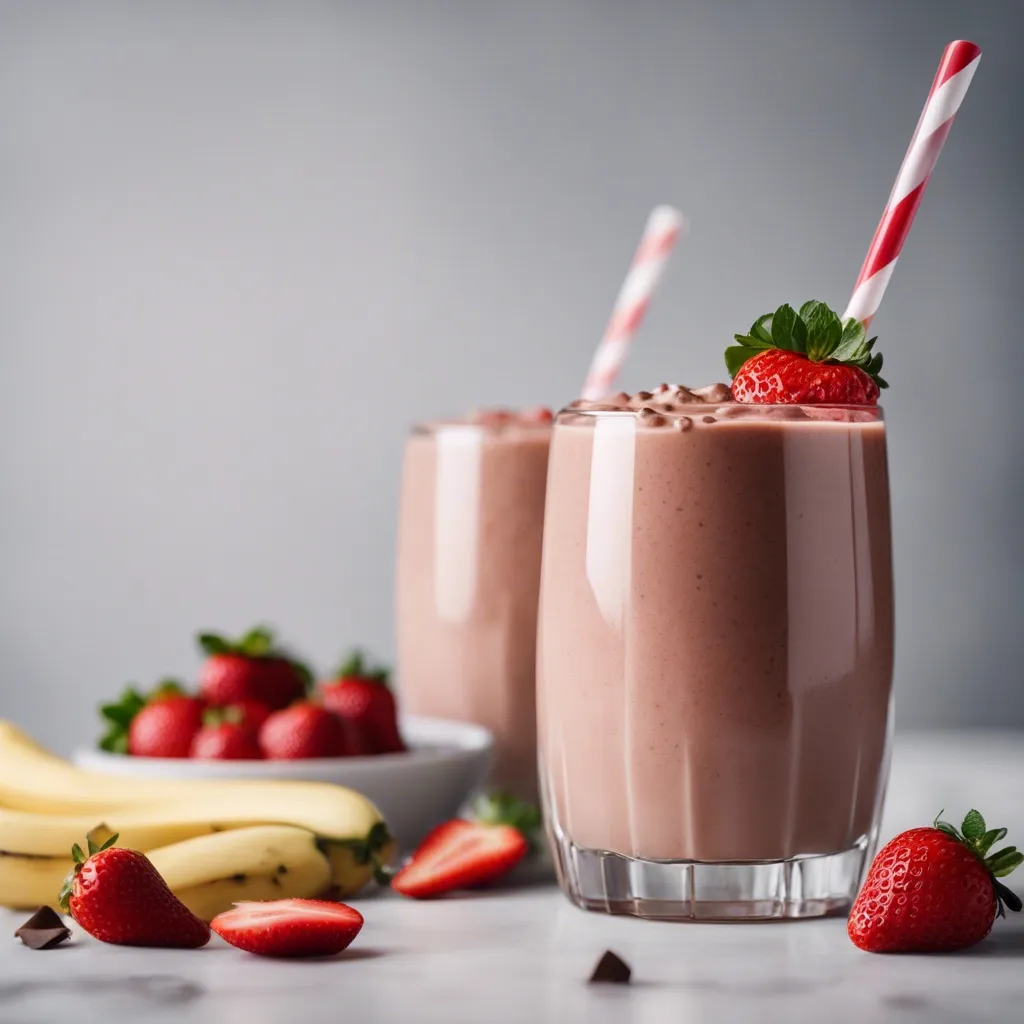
(716,640)
(469,548)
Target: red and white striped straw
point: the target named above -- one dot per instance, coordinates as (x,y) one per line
(956,69)
(664,227)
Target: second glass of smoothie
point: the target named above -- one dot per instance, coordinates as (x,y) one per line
(715,654)
(468,576)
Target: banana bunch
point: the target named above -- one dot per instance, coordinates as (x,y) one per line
(214,843)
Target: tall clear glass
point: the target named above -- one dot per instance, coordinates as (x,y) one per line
(715,658)
(468,575)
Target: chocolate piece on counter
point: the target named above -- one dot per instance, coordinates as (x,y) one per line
(43,930)
(611,968)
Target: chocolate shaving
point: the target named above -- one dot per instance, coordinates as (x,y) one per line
(43,930)
(611,968)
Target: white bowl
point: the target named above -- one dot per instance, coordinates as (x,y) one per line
(415,790)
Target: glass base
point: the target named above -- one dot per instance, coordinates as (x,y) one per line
(800,887)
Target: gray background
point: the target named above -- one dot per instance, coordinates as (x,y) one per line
(243,245)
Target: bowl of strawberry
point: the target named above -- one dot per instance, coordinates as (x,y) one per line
(257,712)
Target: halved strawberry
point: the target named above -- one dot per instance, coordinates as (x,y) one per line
(805,357)
(289,928)
(460,855)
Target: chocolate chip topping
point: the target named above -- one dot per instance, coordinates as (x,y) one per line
(611,968)
(45,929)
(651,417)
(715,394)
(667,403)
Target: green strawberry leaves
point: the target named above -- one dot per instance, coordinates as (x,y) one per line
(119,714)
(501,808)
(79,858)
(816,331)
(355,666)
(257,643)
(973,826)
(974,834)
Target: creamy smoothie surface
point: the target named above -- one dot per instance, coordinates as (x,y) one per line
(468,576)
(716,645)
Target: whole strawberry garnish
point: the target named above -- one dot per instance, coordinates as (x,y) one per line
(463,854)
(359,693)
(934,890)
(806,358)
(289,928)
(250,669)
(303,730)
(117,896)
(225,736)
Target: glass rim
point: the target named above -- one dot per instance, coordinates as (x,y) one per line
(710,407)
(429,428)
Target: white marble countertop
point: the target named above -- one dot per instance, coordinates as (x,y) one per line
(525,954)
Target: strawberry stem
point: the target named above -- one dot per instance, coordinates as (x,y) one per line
(79,858)
(974,834)
(355,666)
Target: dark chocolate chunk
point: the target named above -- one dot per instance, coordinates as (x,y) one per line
(611,968)
(43,930)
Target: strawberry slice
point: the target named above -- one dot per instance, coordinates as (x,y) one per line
(289,928)
(460,855)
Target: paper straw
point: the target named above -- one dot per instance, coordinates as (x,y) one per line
(956,69)
(664,227)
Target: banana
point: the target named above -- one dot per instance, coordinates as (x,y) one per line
(208,873)
(51,835)
(28,882)
(270,862)
(46,804)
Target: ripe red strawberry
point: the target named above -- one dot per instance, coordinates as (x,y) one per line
(776,376)
(120,714)
(165,727)
(226,741)
(250,669)
(117,896)
(806,358)
(303,730)
(360,695)
(934,890)
(289,928)
(250,713)
(463,854)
